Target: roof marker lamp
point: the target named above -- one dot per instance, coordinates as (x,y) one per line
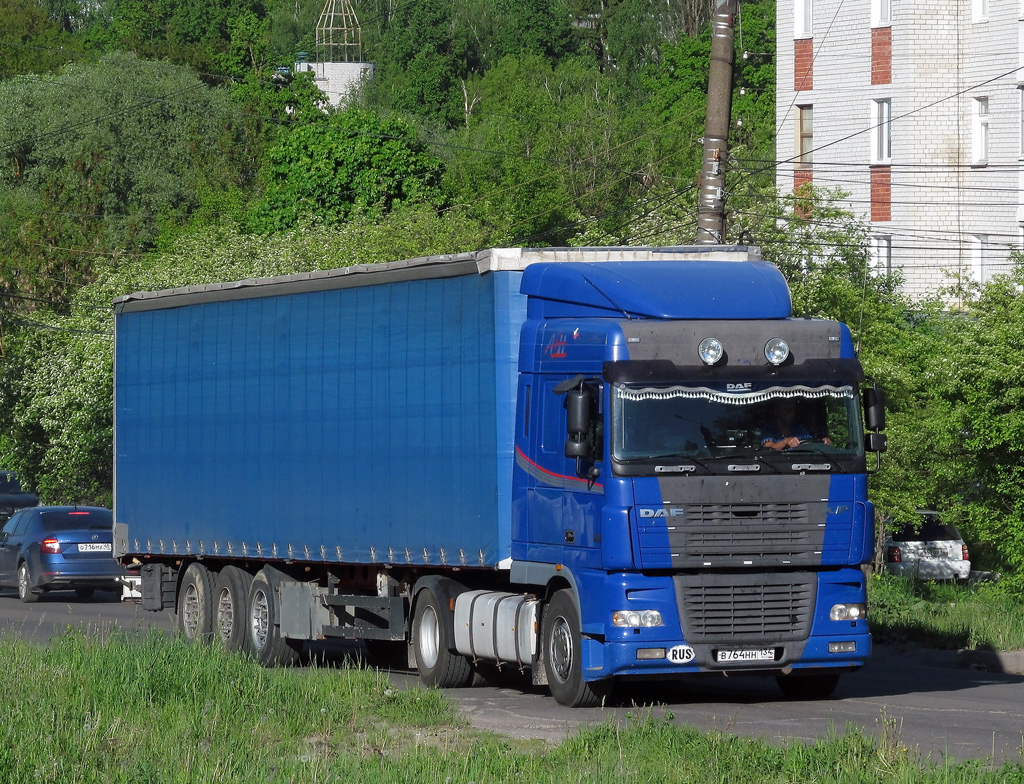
(776,351)
(710,351)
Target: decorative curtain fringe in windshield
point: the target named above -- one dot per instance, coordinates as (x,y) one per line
(732,398)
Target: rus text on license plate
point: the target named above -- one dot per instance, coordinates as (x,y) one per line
(761,654)
(90,547)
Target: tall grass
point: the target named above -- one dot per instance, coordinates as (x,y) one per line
(123,709)
(944,615)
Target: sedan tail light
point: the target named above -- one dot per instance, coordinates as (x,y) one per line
(893,554)
(49,546)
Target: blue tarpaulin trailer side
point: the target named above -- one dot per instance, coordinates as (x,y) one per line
(362,425)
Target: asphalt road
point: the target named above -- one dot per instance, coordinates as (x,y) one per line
(931,702)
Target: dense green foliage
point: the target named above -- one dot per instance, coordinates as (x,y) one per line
(122,709)
(145,145)
(944,615)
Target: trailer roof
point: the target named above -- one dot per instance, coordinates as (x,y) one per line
(422,268)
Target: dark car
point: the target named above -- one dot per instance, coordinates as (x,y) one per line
(12,496)
(44,548)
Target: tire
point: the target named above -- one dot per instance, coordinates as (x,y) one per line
(808,687)
(432,634)
(231,627)
(25,591)
(562,652)
(195,603)
(262,607)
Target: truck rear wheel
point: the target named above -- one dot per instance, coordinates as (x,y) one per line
(195,603)
(562,651)
(431,637)
(269,648)
(230,609)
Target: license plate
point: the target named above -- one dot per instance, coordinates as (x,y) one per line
(90,547)
(762,654)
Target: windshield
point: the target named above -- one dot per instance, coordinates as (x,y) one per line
(701,423)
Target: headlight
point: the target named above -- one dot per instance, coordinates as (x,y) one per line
(776,351)
(710,350)
(848,612)
(634,618)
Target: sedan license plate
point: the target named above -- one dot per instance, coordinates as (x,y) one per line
(94,547)
(760,654)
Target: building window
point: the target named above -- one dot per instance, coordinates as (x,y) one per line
(881,13)
(980,11)
(1020,121)
(979,131)
(1020,49)
(881,255)
(804,136)
(979,258)
(881,130)
(803,17)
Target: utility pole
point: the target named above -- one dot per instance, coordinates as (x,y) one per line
(711,203)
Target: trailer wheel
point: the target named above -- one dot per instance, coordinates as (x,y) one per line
(562,650)
(269,648)
(230,609)
(195,603)
(808,687)
(431,635)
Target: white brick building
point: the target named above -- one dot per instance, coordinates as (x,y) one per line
(913,107)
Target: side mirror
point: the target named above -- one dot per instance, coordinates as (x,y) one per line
(577,408)
(874,409)
(875,442)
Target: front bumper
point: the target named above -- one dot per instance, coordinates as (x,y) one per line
(724,623)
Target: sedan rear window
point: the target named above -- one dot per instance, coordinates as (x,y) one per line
(66,521)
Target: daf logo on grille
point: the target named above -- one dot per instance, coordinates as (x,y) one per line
(674,511)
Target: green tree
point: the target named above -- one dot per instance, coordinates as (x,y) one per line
(30,42)
(351,162)
(543,147)
(957,420)
(99,159)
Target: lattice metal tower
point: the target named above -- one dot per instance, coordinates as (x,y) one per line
(339,38)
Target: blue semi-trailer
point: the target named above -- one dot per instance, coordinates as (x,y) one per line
(572,462)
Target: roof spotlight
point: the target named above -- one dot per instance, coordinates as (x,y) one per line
(710,350)
(776,351)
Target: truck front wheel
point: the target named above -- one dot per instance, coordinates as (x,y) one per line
(431,632)
(195,603)
(269,648)
(562,651)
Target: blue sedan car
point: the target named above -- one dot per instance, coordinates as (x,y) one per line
(45,548)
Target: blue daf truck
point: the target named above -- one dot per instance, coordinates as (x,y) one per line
(577,463)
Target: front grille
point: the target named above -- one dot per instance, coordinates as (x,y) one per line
(746,608)
(723,535)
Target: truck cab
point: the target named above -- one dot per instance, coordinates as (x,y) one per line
(655,487)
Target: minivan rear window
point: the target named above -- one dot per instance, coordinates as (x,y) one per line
(930,532)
